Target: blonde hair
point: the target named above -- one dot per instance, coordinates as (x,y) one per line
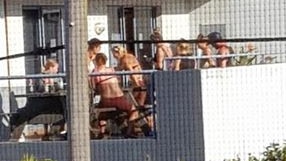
(50,63)
(119,49)
(184,48)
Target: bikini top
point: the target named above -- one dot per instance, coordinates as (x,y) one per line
(103,78)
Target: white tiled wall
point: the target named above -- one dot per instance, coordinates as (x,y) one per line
(3,49)
(243,110)
(245,19)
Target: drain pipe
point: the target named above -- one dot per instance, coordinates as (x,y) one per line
(7,46)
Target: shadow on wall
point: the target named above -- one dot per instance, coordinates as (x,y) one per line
(187,7)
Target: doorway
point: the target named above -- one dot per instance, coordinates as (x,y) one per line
(133,24)
(43,28)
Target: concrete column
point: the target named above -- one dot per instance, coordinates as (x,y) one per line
(77,78)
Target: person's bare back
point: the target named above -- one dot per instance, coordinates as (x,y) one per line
(107,85)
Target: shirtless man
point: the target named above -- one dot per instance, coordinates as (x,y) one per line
(222,49)
(94,46)
(128,62)
(206,51)
(111,93)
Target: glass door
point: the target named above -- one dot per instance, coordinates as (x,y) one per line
(144,22)
(132,24)
(52,34)
(43,28)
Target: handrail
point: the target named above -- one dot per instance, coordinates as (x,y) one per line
(124,72)
(213,56)
(199,57)
(31,76)
(37,76)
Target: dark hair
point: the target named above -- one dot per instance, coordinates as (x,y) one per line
(94,42)
(200,36)
(213,37)
(100,59)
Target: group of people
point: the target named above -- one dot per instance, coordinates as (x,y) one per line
(108,85)
(185,49)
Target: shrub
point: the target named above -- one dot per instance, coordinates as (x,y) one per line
(273,152)
(28,157)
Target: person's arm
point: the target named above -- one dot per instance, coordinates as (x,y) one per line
(208,52)
(132,65)
(160,58)
(177,64)
(223,61)
(93,82)
(167,50)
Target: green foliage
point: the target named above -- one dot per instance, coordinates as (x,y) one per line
(244,60)
(28,157)
(236,159)
(273,152)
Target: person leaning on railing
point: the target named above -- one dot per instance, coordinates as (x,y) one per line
(184,49)
(162,50)
(222,49)
(203,45)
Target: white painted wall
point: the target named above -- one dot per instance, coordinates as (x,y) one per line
(3,49)
(245,19)
(243,110)
(91,21)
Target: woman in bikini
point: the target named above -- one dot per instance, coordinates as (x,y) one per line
(110,92)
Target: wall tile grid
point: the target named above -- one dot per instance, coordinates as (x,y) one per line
(243,110)
(245,19)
